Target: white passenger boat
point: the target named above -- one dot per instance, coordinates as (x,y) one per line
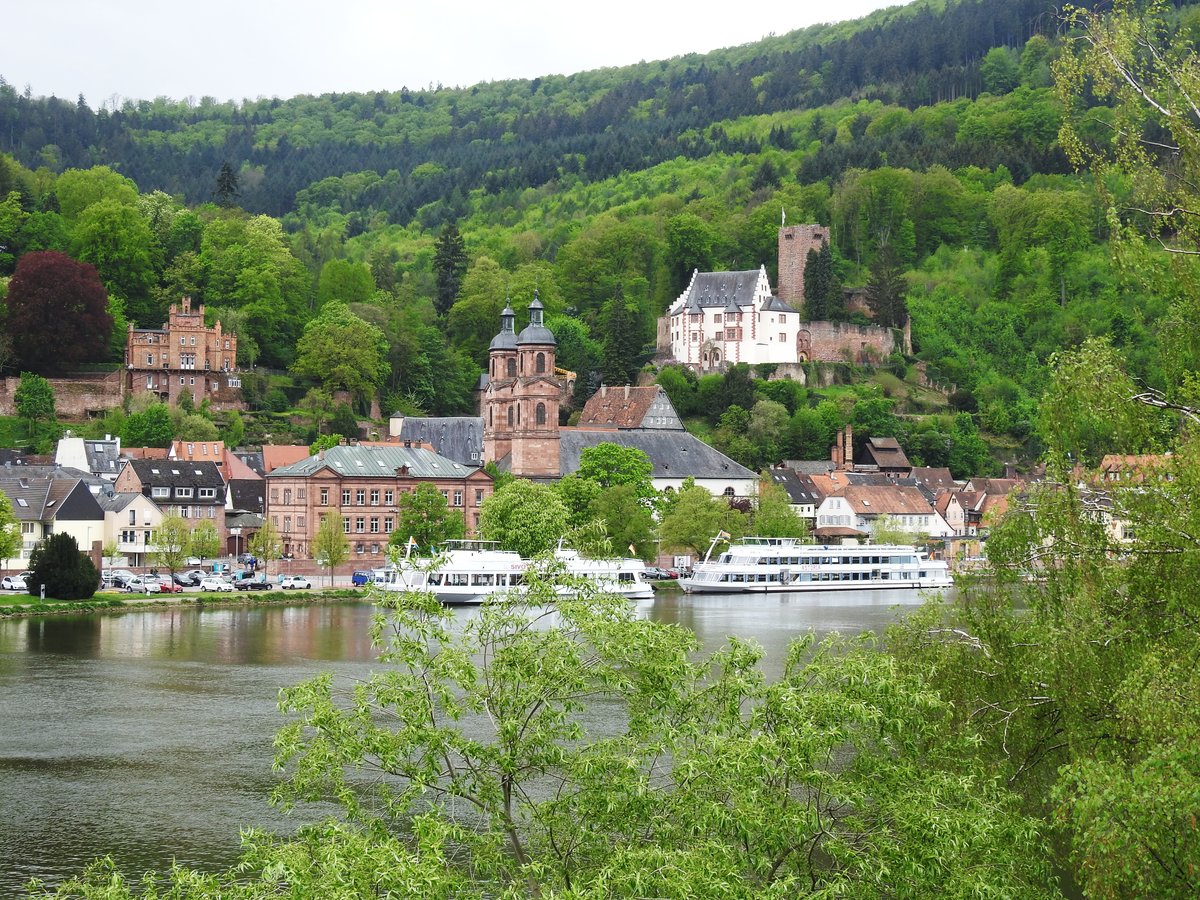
(784,564)
(471,571)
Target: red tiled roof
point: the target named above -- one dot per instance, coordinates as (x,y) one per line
(278,455)
(619,407)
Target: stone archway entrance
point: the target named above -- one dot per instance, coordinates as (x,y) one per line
(803,345)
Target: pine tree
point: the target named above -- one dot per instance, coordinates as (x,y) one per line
(449,265)
(227,189)
(886,289)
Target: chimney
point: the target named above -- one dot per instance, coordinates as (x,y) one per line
(848,457)
(835,452)
(626,391)
(604,390)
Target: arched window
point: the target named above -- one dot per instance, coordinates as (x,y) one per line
(512,367)
(518,413)
(541,362)
(492,367)
(510,415)
(491,418)
(541,413)
(728,492)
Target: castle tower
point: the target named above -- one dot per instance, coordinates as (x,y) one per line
(520,403)
(794,243)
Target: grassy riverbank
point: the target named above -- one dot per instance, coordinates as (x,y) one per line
(108,601)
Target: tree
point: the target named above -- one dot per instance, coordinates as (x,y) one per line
(152,427)
(773,514)
(449,266)
(226,190)
(331,547)
(34,399)
(66,573)
(346,282)
(695,518)
(999,70)
(172,543)
(622,341)
(205,541)
(342,352)
(609,465)
(886,289)
(424,516)
(11,541)
(265,544)
(628,521)
(115,238)
(523,516)
(235,430)
(57,313)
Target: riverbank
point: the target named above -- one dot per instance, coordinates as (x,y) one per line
(110,602)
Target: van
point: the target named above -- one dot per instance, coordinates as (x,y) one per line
(358,579)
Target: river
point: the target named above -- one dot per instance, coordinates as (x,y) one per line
(147,735)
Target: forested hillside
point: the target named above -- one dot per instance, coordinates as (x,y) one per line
(926,136)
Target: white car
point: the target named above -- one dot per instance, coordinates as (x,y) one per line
(215,584)
(141,585)
(296,581)
(13,583)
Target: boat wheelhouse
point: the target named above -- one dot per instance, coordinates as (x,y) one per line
(763,565)
(471,571)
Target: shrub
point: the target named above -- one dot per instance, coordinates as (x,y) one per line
(67,574)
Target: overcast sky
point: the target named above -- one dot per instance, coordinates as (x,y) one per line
(142,49)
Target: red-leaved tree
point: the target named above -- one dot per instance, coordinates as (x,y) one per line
(57,313)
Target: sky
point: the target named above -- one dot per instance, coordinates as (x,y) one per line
(142,49)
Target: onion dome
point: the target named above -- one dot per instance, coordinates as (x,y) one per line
(536,332)
(507,338)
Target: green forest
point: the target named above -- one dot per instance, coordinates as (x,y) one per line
(1022,182)
(932,152)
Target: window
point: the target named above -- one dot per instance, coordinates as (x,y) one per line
(183,492)
(541,362)
(374,525)
(479,496)
(345,496)
(299,523)
(191,380)
(360,497)
(719,336)
(182,380)
(782,337)
(360,524)
(728,492)
(512,368)
(182,341)
(301,494)
(193,340)
(212,512)
(541,413)
(287,496)
(346,525)
(185,512)
(206,493)
(233,382)
(375,497)
(324,496)
(388,524)
(287,523)
(160,492)
(274,495)
(510,415)
(388,498)
(458,498)
(149,359)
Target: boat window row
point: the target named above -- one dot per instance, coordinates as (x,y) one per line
(822,560)
(798,577)
(477,579)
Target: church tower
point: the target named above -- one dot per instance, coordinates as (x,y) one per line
(520,406)
(794,243)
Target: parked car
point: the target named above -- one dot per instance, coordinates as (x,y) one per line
(191,577)
(139,584)
(116,577)
(295,581)
(659,574)
(194,561)
(248,560)
(13,583)
(358,579)
(169,587)
(215,583)
(252,583)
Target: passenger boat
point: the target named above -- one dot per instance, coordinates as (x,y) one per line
(784,564)
(471,571)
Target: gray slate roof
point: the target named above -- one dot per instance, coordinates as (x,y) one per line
(104,457)
(722,288)
(375,461)
(253,459)
(459,438)
(673,454)
(177,472)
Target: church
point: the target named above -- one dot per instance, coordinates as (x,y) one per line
(520,396)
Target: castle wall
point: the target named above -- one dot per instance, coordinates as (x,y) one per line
(840,342)
(74,398)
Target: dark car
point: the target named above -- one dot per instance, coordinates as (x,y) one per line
(191,578)
(655,573)
(252,583)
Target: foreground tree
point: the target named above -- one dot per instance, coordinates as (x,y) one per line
(34,399)
(773,514)
(488,774)
(57,313)
(265,544)
(695,517)
(66,573)
(11,540)
(205,541)
(172,543)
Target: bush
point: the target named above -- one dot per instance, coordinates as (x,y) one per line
(67,574)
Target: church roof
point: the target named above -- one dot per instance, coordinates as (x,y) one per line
(536,332)
(506,339)
(628,406)
(673,454)
(459,438)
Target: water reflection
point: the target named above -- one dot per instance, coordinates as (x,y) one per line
(148,734)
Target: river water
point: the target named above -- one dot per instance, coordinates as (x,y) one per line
(147,735)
